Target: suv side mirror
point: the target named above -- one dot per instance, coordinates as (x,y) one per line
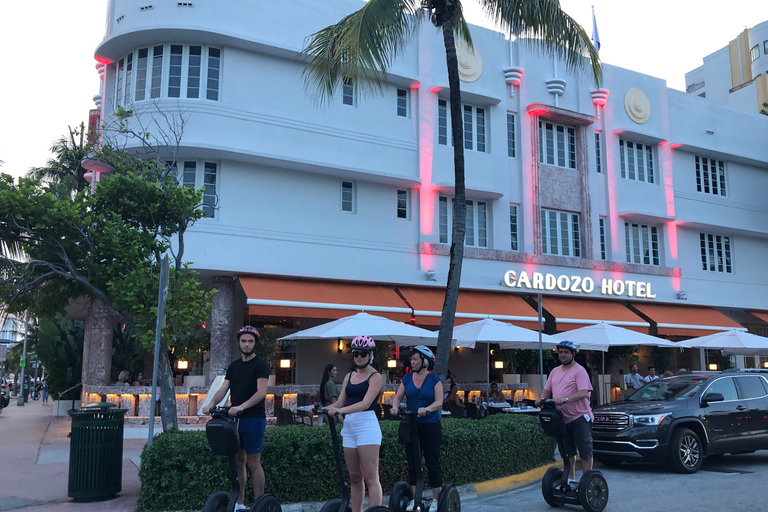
(712,397)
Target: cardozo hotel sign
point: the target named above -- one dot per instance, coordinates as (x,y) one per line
(577,284)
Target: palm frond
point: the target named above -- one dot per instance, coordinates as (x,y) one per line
(361,47)
(461,28)
(543,24)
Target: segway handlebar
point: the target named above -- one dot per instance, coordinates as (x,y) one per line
(222,409)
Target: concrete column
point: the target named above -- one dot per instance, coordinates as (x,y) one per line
(98,353)
(222,325)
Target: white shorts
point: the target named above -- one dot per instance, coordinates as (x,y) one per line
(361,429)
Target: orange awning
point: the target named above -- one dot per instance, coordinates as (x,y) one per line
(574,313)
(674,320)
(762,315)
(472,305)
(321,299)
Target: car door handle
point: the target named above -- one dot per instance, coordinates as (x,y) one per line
(741,408)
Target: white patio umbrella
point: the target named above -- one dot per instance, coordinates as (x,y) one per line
(733,341)
(602,335)
(505,334)
(377,327)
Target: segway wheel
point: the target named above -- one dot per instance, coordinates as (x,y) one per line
(266,503)
(593,491)
(333,506)
(400,496)
(449,500)
(217,502)
(549,485)
(377,508)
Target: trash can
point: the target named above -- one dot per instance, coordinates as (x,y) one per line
(96,452)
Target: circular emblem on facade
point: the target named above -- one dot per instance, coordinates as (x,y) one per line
(470,63)
(637,106)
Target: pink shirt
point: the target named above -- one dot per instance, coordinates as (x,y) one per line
(562,383)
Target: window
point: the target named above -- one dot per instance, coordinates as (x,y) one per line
(209,180)
(513,229)
(145,74)
(442,122)
(642,244)
(754,53)
(765,47)
(347,196)
(598,154)
(477,222)
(402,204)
(724,386)
(402,102)
(510,135)
(751,386)
(347,92)
(557,145)
(715,253)
(560,233)
(475,122)
(603,244)
(636,161)
(710,176)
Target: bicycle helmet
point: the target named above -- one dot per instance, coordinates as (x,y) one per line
(248,330)
(363,342)
(569,345)
(427,357)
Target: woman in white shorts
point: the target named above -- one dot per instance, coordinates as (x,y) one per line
(361,432)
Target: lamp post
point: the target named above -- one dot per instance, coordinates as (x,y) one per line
(23,362)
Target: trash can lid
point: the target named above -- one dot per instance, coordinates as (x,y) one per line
(98,405)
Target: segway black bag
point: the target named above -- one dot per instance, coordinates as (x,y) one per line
(552,421)
(222,436)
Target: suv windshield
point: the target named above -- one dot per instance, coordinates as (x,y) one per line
(667,390)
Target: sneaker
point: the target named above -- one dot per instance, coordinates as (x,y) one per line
(433,506)
(409,508)
(238,506)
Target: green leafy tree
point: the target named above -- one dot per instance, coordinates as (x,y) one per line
(363,45)
(60,349)
(105,246)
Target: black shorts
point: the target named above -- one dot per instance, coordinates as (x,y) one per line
(578,435)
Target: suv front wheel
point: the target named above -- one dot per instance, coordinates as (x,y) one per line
(686,454)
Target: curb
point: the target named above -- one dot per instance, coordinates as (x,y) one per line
(466,491)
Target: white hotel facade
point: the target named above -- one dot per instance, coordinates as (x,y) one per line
(632,203)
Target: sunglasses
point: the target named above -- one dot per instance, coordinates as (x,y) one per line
(359,353)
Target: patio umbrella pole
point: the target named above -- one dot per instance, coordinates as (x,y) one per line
(541,352)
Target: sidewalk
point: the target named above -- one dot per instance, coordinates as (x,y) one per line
(34,467)
(34,472)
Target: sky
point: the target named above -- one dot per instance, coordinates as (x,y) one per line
(49,74)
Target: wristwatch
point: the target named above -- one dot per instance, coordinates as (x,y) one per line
(565,399)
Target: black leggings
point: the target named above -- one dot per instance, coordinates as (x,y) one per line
(430,440)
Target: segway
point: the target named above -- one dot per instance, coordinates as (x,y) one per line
(341,505)
(592,490)
(224,440)
(402,494)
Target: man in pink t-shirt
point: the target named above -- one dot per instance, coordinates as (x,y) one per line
(569,386)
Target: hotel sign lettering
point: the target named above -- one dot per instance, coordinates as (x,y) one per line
(577,284)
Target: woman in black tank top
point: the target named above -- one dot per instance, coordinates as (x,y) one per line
(361,433)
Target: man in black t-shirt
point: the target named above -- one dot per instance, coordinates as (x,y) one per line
(246,380)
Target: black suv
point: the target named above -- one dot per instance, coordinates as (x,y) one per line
(681,419)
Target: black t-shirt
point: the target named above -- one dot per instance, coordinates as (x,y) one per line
(242,377)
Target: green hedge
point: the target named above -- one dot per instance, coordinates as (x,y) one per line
(179,472)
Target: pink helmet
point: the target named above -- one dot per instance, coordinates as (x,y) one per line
(248,330)
(363,342)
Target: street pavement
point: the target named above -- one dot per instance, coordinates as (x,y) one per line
(34,463)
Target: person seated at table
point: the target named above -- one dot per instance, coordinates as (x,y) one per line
(453,399)
(496,396)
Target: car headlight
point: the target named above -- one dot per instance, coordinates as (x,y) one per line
(649,419)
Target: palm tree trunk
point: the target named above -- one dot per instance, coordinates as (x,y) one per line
(167,392)
(459,208)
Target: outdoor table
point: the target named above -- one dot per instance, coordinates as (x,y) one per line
(521,410)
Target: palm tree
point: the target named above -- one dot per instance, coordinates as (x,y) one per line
(65,169)
(362,46)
